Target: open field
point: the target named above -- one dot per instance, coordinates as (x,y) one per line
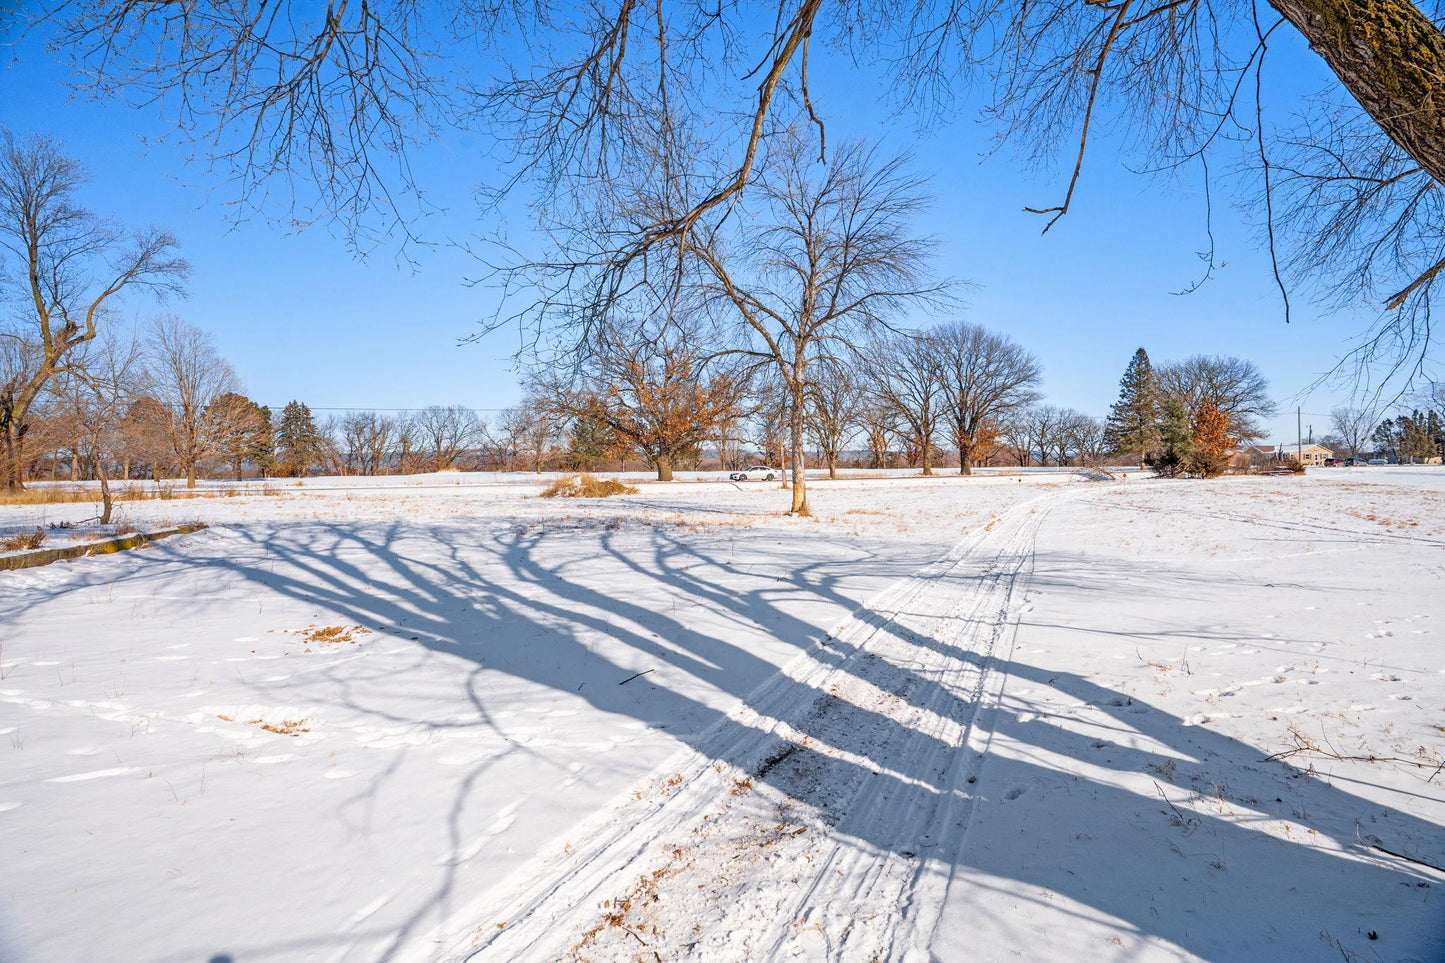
(1007,717)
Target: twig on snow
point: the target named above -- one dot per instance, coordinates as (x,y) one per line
(637,676)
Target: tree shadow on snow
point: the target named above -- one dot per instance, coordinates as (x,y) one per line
(1153,868)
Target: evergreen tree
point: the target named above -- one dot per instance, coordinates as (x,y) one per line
(1176,440)
(1133,425)
(261,451)
(298,441)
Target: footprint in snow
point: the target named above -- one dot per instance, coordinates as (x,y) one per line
(1385,677)
(1014,793)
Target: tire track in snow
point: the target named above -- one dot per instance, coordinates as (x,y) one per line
(818,819)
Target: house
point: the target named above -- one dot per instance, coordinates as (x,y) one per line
(1306,454)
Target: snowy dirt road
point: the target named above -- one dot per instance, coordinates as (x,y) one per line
(803,822)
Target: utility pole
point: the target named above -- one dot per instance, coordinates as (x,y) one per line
(1299,445)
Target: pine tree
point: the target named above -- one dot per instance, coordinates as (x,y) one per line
(298,442)
(1133,425)
(262,448)
(1176,441)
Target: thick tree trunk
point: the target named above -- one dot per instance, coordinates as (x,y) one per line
(965,458)
(832,464)
(14,455)
(664,468)
(927,457)
(191,475)
(236,464)
(1389,56)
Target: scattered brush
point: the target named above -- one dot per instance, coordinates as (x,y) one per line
(586,486)
(23,542)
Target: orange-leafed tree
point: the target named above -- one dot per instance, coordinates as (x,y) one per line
(1213,441)
(655,394)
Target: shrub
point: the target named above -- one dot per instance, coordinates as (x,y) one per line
(586,486)
(25,541)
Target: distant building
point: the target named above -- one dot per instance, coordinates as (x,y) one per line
(1307,454)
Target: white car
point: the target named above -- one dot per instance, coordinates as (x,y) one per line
(755,473)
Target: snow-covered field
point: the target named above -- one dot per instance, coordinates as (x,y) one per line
(1005,717)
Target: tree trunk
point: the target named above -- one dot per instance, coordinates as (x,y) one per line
(1388,55)
(191,475)
(965,457)
(664,468)
(236,464)
(795,444)
(927,455)
(105,501)
(832,464)
(14,454)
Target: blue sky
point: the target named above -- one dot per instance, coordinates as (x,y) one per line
(300,317)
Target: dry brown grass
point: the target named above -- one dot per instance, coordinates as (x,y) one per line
(332,633)
(65,495)
(25,541)
(586,486)
(286,727)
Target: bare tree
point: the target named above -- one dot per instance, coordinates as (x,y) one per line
(188,376)
(1089,438)
(906,374)
(1233,385)
(447,432)
(524,433)
(1354,426)
(832,255)
(110,372)
(880,428)
(1017,435)
(835,395)
(76,267)
(366,442)
(282,87)
(1043,423)
(985,378)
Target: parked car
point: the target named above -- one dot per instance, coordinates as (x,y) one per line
(1334,463)
(755,473)
(1352,462)
(1377,461)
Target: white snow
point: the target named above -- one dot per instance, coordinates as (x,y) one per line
(1042,736)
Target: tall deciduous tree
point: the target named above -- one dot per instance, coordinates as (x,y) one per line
(1234,386)
(1133,425)
(75,268)
(836,396)
(447,432)
(188,375)
(906,377)
(985,378)
(831,254)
